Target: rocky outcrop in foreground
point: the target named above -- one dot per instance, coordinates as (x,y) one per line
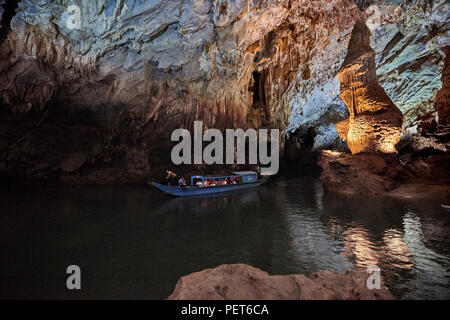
(375,123)
(244,282)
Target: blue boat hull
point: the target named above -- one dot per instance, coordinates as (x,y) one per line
(200,191)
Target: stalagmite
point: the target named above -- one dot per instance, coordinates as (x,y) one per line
(375,123)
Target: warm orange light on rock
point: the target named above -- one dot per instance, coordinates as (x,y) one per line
(375,122)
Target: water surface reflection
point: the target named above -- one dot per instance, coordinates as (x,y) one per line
(134,243)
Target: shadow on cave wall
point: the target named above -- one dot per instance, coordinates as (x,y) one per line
(9,11)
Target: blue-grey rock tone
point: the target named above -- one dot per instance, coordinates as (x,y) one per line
(91,93)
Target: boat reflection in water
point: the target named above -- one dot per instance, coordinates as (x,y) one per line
(205,204)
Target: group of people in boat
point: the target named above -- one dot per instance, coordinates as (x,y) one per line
(211,182)
(206,182)
(217,182)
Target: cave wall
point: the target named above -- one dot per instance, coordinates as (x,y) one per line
(410,57)
(98,104)
(408,38)
(442,101)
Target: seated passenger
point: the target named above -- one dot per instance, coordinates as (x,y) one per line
(182,182)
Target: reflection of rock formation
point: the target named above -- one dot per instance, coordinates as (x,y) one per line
(375,123)
(243,282)
(312,248)
(365,251)
(409,245)
(431,267)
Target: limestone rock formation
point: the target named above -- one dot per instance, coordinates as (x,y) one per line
(442,104)
(2,2)
(243,282)
(375,123)
(410,56)
(359,173)
(380,174)
(136,70)
(316,131)
(408,38)
(114,89)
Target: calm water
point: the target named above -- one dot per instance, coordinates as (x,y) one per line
(132,242)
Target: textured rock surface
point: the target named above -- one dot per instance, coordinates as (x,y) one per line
(375,123)
(380,174)
(360,173)
(316,132)
(442,104)
(313,92)
(408,38)
(410,56)
(2,2)
(136,70)
(115,89)
(243,282)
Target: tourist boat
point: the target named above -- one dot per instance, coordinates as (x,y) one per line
(205,185)
(445,207)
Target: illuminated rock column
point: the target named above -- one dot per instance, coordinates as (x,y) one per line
(375,123)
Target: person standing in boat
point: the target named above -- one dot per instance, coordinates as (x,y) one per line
(171,178)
